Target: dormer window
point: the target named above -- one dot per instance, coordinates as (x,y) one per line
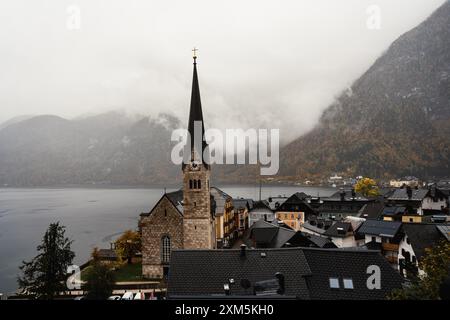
(334,283)
(348,283)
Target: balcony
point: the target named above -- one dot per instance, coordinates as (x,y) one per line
(389,247)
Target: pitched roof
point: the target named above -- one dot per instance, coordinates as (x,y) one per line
(339,229)
(214,268)
(423,235)
(315,240)
(220,198)
(175,198)
(241,203)
(380,228)
(348,264)
(306,271)
(372,210)
(268,235)
(196,115)
(401,194)
(261,206)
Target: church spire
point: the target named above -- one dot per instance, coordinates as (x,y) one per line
(195,113)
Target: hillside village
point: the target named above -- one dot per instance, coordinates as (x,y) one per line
(203,243)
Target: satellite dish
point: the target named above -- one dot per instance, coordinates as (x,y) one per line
(245,283)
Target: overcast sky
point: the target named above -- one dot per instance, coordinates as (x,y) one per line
(261,63)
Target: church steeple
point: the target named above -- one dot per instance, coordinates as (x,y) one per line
(198,218)
(196,114)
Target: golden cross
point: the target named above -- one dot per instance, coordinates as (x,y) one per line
(195,52)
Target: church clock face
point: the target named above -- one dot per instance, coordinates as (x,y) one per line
(195,166)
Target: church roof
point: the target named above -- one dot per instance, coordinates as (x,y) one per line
(196,113)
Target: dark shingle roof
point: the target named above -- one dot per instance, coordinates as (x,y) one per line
(214,268)
(339,229)
(401,194)
(268,235)
(372,210)
(307,272)
(422,236)
(380,228)
(320,242)
(348,264)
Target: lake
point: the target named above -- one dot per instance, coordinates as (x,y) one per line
(93,217)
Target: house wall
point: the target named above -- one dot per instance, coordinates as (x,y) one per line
(346,242)
(257,215)
(163,220)
(404,245)
(293,219)
(429,204)
(411,219)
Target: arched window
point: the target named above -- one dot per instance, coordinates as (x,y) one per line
(190,184)
(199,184)
(165,249)
(195,184)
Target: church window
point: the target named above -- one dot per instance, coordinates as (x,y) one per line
(195,184)
(190,184)
(165,252)
(199,184)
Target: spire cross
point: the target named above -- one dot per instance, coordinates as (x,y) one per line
(195,53)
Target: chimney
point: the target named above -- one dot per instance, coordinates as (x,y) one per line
(243,249)
(409,192)
(280,278)
(342,194)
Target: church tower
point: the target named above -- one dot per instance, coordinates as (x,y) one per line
(198,220)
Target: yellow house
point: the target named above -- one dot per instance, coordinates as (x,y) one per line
(411,219)
(293,219)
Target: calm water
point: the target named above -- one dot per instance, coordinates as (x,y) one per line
(93,217)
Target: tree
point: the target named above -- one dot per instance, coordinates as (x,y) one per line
(45,275)
(367,187)
(128,245)
(435,263)
(99,279)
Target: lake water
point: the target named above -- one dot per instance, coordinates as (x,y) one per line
(93,218)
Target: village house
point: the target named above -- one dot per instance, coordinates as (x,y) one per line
(417,238)
(260,211)
(226,226)
(410,181)
(384,236)
(341,204)
(294,211)
(242,208)
(344,234)
(419,201)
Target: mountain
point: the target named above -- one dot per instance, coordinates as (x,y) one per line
(104,149)
(395,119)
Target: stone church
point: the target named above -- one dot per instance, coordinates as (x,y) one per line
(182,219)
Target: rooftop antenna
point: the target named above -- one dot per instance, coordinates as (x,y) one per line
(260,186)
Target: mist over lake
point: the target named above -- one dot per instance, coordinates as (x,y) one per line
(93,218)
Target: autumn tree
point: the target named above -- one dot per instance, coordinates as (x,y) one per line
(45,275)
(367,187)
(435,263)
(128,244)
(99,279)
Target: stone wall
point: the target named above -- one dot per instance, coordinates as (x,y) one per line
(163,220)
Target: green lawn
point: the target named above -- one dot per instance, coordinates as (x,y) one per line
(128,272)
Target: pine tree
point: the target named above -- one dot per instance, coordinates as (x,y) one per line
(44,277)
